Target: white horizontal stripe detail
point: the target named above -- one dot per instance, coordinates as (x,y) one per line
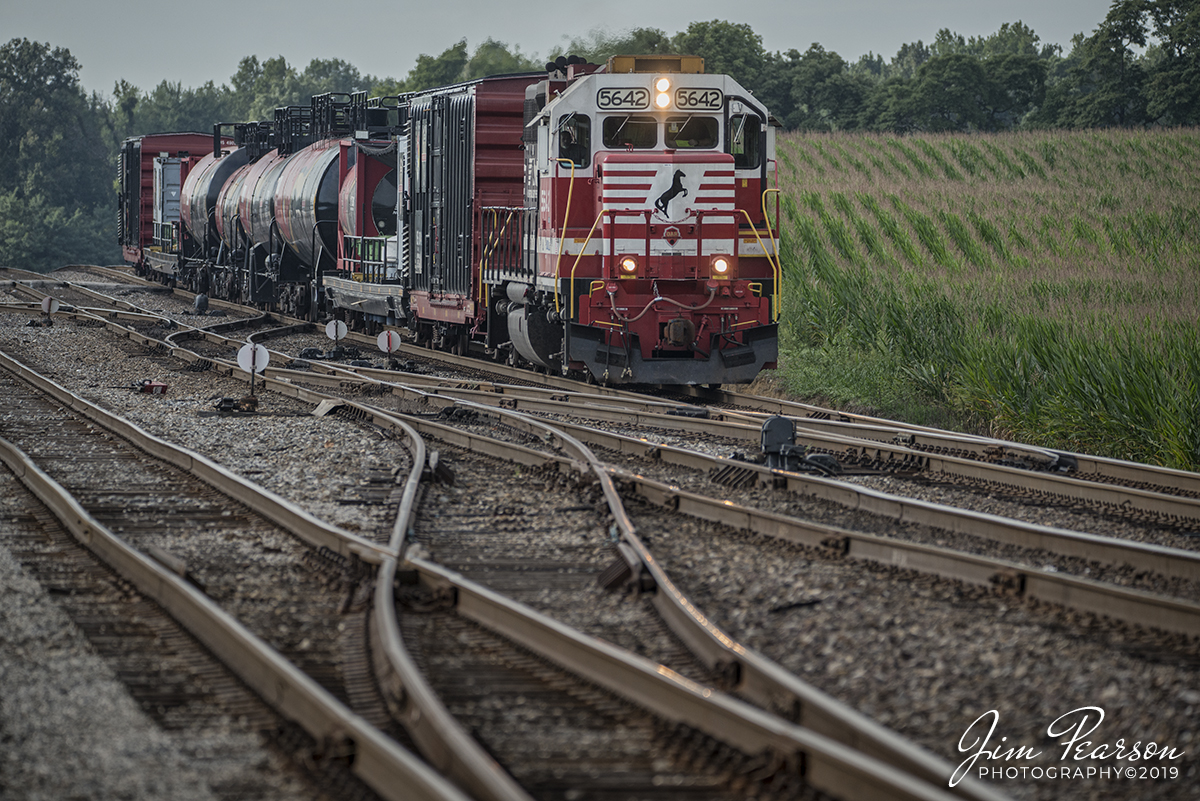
(619,193)
(658,247)
(628,179)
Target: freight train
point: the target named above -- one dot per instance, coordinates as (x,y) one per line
(612,222)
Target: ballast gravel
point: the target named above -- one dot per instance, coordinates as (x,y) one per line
(68,727)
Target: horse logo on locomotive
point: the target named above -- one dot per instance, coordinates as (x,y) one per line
(614,222)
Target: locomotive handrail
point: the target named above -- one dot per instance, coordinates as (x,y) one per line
(562,239)
(578,256)
(774,242)
(776,270)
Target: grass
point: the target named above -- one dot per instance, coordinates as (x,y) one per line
(1037,286)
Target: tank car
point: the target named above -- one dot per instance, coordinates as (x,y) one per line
(258,213)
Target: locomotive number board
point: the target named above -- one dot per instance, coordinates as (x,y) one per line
(623,99)
(706,99)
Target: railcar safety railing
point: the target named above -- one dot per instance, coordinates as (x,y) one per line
(166,236)
(503,241)
(366,258)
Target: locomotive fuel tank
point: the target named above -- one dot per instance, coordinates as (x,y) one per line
(306,204)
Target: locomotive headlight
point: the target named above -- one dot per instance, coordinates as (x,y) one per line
(628,266)
(720,266)
(662,84)
(662,100)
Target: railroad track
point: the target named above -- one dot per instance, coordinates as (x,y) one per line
(674,497)
(1141,502)
(225,579)
(1169,561)
(821,752)
(235,744)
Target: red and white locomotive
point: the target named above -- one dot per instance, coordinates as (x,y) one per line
(605,221)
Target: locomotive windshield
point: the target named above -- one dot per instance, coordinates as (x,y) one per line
(691,132)
(630,132)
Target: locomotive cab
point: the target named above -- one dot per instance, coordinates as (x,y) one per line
(648,253)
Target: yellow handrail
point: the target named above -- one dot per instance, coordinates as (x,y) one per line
(571,312)
(776,269)
(562,238)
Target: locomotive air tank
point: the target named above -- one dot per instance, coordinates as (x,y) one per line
(201,190)
(306,204)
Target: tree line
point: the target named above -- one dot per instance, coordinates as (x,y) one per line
(1139,67)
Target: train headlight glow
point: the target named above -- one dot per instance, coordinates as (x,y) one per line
(720,265)
(662,100)
(662,84)
(628,266)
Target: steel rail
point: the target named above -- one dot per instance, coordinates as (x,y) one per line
(111,272)
(829,766)
(275,508)
(1170,562)
(379,761)
(576,399)
(981,447)
(1098,598)
(823,713)
(720,650)
(448,747)
(1113,470)
(1090,596)
(871,445)
(442,740)
(1033,584)
(10,273)
(1055,485)
(1162,560)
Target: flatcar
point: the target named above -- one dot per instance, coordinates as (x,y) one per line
(610,222)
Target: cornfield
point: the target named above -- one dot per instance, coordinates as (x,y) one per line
(1045,285)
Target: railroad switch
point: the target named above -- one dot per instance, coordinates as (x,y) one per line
(782,453)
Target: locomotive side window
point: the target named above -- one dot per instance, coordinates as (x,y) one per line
(575,139)
(630,132)
(692,132)
(745,138)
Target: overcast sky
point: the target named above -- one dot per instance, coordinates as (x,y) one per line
(148,41)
